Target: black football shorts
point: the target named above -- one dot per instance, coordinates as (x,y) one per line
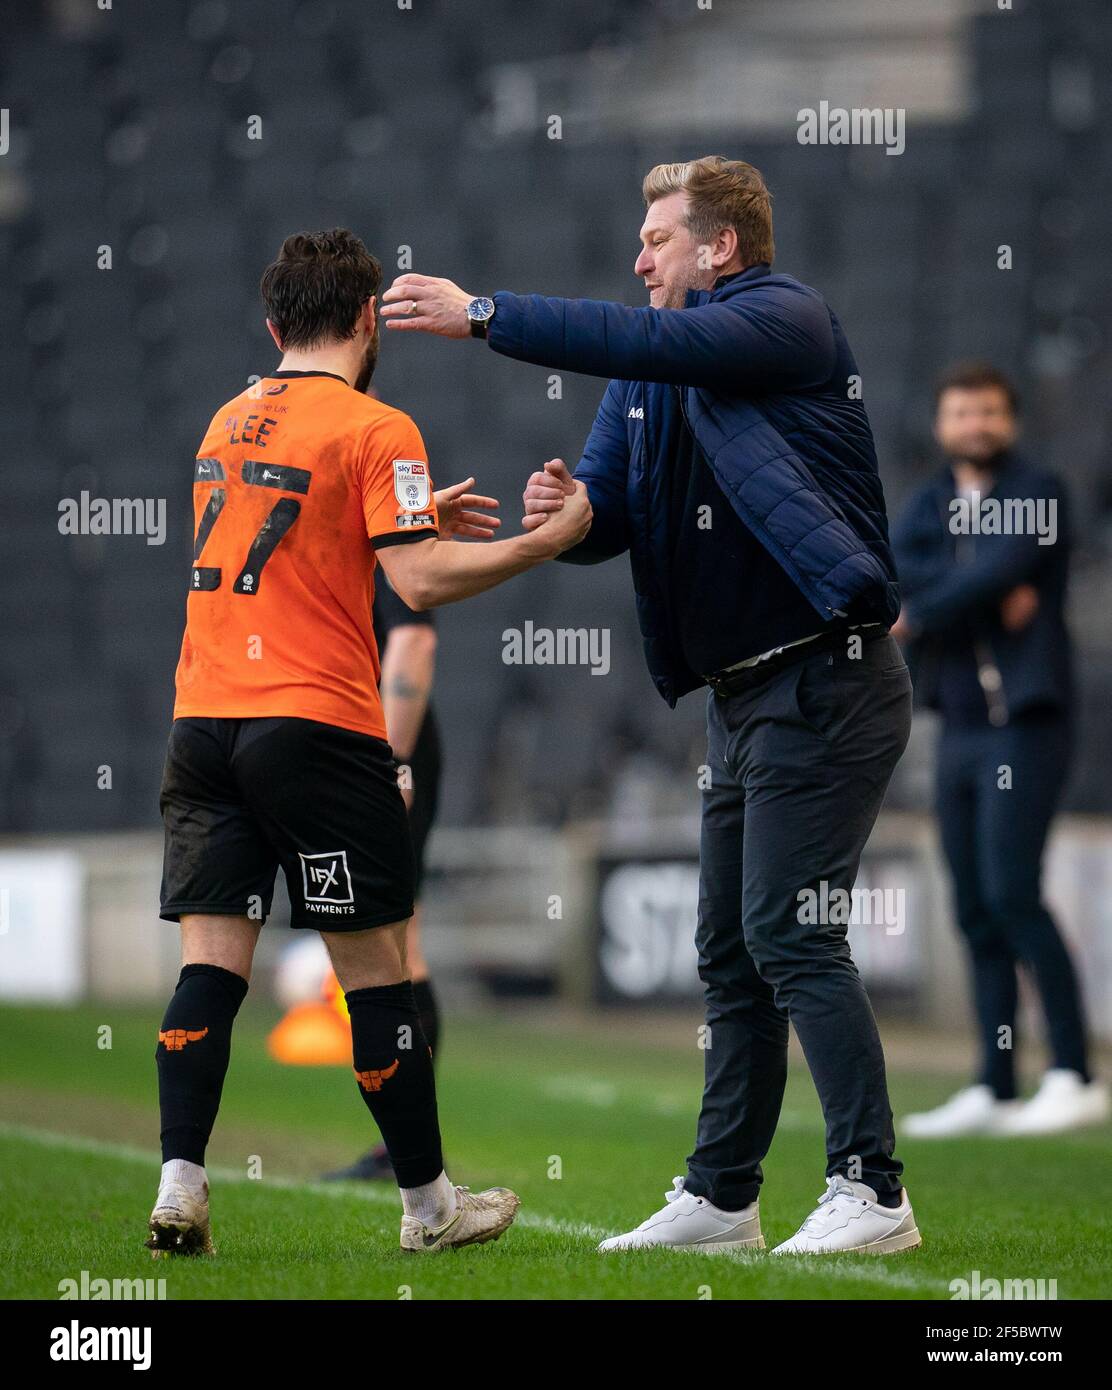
(241,797)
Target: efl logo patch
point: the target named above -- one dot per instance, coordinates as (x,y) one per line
(325,878)
(411,484)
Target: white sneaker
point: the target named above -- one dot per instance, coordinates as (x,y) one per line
(1063,1101)
(479,1217)
(179,1224)
(687,1222)
(849,1218)
(975,1110)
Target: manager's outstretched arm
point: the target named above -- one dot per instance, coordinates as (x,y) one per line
(780,338)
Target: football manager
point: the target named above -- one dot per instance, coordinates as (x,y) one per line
(732,457)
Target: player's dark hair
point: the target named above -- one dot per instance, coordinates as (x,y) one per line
(976,376)
(316,287)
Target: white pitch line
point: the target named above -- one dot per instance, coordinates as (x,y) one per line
(604,1095)
(379,1196)
(551,1225)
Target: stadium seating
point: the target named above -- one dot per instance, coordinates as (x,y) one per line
(112,374)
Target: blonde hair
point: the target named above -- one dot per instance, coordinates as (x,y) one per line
(723,193)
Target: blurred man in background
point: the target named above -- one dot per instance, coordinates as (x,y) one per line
(983,552)
(733,458)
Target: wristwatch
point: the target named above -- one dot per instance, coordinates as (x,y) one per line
(480,312)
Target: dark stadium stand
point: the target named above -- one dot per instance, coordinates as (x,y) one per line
(110,376)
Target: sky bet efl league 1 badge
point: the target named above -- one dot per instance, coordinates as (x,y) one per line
(411,484)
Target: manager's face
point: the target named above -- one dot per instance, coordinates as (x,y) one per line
(669,259)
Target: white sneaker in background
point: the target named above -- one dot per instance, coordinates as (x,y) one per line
(849,1219)
(1063,1101)
(975,1110)
(687,1222)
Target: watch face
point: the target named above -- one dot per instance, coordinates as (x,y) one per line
(480,309)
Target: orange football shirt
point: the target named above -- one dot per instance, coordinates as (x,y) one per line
(297,483)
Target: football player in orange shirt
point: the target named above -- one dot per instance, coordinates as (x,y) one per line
(278,754)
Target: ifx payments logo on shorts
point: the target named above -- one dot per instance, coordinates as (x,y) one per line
(326,882)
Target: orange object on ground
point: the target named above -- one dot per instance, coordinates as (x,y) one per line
(317,1034)
(311,1035)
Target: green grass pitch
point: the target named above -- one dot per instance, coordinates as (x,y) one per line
(589,1131)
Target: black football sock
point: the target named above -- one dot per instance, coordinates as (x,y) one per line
(393,1068)
(429,1012)
(425,996)
(194,1044)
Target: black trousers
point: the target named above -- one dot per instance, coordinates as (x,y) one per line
(799,767)
(993,835)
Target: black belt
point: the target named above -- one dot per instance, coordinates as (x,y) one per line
(733,681)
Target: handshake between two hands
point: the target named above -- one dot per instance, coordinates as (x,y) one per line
(553,500)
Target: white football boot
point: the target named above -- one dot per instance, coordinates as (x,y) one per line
(478,1217)
(179,1224)
(975,1110)
(849,1219)
(687,1222)
(1063,1101)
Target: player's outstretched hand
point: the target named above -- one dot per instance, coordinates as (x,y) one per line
(428,305)
(461,512)
(545,492)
